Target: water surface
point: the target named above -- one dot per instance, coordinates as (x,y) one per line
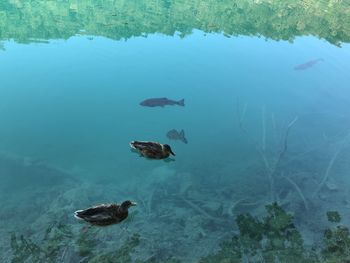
(72,76)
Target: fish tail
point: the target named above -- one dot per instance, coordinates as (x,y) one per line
(182,136)
(181,102)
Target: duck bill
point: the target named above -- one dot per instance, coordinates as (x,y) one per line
(133,203)
(171,152)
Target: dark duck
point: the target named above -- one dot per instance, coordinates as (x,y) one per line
(152,150)
(105,214)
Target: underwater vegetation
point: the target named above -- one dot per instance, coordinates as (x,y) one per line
(56,247)
(336,240)
(121,255)
(278,20)
(197,218)
(273,238)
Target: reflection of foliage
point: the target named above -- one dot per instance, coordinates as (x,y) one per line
(276,239)
(28,20)
(2,46)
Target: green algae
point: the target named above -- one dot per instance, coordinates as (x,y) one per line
(121,255)
(336,241)
(273,238)
(55,241)
(276,239)
(333,216)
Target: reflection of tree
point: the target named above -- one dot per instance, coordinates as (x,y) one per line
(122,19)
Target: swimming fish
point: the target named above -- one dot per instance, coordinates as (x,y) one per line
(308,64)
(161,102)
(175,135)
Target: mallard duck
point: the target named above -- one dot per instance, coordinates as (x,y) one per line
(152,150)
(105,214)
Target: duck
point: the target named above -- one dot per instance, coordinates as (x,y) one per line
(152,150)
(105,214)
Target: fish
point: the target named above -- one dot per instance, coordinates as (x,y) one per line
(308,64)
(175,135)
(161,102)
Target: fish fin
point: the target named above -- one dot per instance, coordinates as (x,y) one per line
(182,135)
(181,102)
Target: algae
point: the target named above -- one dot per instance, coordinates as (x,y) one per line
(276,239)
(54,246)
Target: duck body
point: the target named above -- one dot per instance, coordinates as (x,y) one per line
(152,150)
(105,214)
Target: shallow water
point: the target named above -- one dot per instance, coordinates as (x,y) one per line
(72,76)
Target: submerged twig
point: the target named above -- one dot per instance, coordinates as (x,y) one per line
(330,164)
(64,254)
(233,206)
(263,139)
(149,201)
(274,127)
(285,141)
(298,190)
(198,209)
(271,169)
(281,155)
(240,202)
(257,145)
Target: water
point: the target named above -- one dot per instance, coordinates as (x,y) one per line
(72,76)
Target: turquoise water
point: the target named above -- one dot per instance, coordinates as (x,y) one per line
(72,77)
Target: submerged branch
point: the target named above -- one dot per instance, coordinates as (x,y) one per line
(298,190)
(330,164)
(198,209)
(271,169)
(263,139)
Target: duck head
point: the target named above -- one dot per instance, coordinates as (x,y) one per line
(167,149)
(127,204)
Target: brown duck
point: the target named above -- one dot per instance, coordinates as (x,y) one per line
(105,214)
(152,150)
